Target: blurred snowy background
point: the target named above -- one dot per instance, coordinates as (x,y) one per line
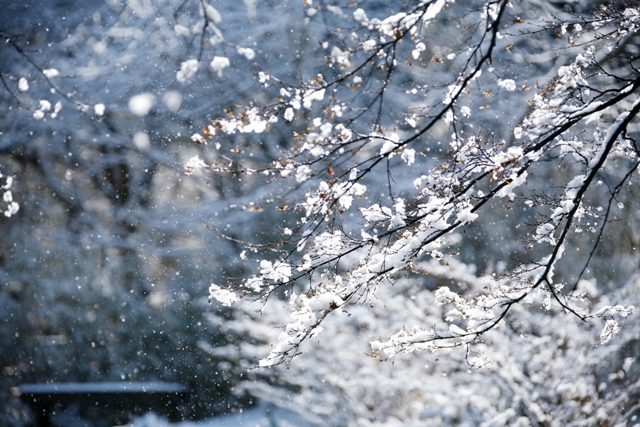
(105,268)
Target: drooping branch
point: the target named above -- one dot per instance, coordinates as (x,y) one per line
(344,254)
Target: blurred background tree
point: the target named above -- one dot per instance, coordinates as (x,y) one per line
(104,270)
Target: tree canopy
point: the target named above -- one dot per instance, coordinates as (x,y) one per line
(434,140)
(407,143)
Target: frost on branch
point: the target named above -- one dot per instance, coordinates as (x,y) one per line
(188,69)
(224,296)
(12,206)
(463,160)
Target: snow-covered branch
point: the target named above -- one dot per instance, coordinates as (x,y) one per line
(377,191)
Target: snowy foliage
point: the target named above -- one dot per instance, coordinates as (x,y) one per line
(483,147)
(448,187)
(541,368)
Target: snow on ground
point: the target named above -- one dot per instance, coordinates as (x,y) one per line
(261,416)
